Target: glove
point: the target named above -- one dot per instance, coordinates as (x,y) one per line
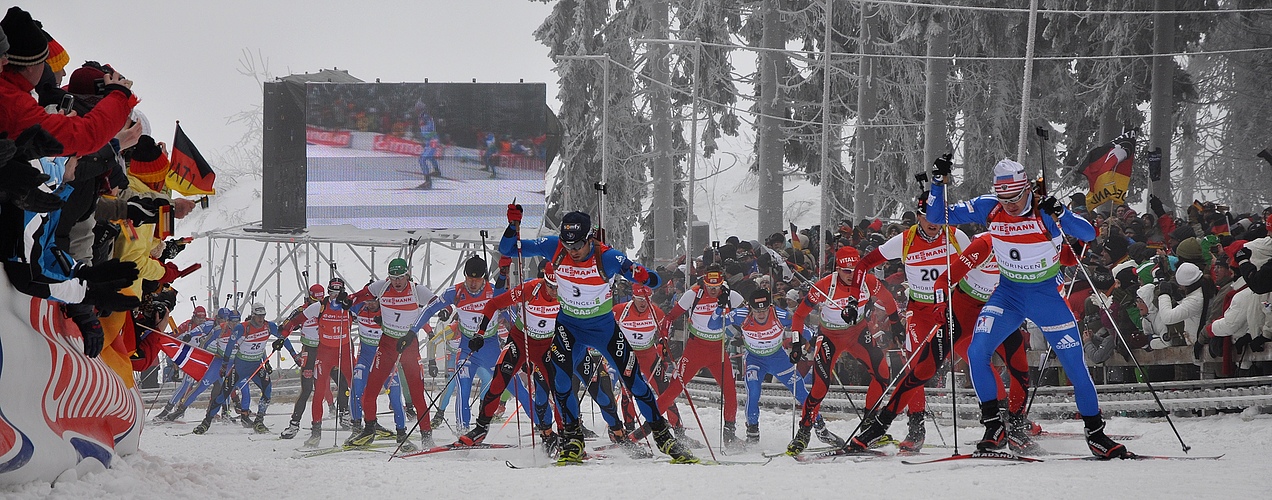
(723,302)
(514,214)
(1155,204)
(171,272)
(475,343)
(144,210)
(896,327)
(278,344)
(225,366)
(379,320)
(1199,348)
(39,201)
(849,313)
(1256,344)
(663,350)
(737,341)
(1241,343)
(1050,205)
(942,167)
(444,315)
(432,368)
(797,350)
(94,337)
(664,326)
(109,271)
(1242,255)
(405,342)
(640,274)
(344,300)
(105,295)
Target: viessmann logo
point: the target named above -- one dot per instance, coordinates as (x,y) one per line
(1014,228)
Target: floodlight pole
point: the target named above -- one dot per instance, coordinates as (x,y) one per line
(605,98)
(1022,144)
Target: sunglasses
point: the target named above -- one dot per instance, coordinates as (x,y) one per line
(1019,196)
(573,245)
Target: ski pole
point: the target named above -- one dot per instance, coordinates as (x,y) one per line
(898,377)
(431,402)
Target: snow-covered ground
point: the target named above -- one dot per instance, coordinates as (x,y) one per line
(228,462)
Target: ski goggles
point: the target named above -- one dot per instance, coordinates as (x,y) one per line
(1013,198)
(574,245)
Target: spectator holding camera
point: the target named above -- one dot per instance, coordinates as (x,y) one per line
(1181,305)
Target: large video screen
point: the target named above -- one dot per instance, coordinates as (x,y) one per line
(424,155)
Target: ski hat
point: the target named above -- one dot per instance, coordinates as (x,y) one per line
(57,55)
(1117,247)
(27,44)
(258,309)
(1189,249)
(847,257)
(575,227)
(223,313)
(714,275)
(792,295)
(317,292)
(200,310)
(760,298)
(475,267)
(549,273)
(1102,279)
(1009,179)
(4,43)
(398,267)
(641,290)
(148,164)
(235,317)
(1187,274)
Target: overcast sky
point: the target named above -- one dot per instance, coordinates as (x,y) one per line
(185,56)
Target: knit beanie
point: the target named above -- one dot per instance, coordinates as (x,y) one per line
(1190,250)
(27,44)
(148,163)
(1187,274)
(57,55)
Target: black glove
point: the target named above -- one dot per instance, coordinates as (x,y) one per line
(1155,204)
(278,344)
(432,368)
(942,167)
(443,315)
(39,201)
(94,338)
(405,342)
(1050,205)
(109,271)
(144,210)
(379,320)
(738,341)
(475,343)
(344,300)
(849,313)
(896,327)
(1241,342)
(105,295)
(1256,344)
(797,350)
(1199,348)
(723,301)
(1242,255)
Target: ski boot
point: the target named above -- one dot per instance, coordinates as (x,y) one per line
(292,429)
(668,444)
(203,426)
(426,439)
(1018,440)
(800,442)
(588,433)
(259,424)
(355,427)
(916,434)
(995,431)
(824,435)
(364,437)
(873,433)
(752,433)
(163,414)
(246,421)
(382,433)
(176,415)
(621,437)
(474,436)
(410,411)
(572,451)
(342,420)
(551,441)
(684,438)
(1099,443)
(439,419)
(315,435)
(404,442)
(730,439)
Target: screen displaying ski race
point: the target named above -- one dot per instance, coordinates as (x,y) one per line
(424,155)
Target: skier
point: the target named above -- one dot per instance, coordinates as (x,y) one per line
(401,303)
(248,347)
(638,319)
(923,249)
(202,336)
(219,347)
(763,331)
(1026,235)
(469,298)
(308,355)
(335,350)
(583,269)
(527,347)
(707,303)
(369,320)
(841,304)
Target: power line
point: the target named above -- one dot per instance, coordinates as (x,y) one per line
(1060,11)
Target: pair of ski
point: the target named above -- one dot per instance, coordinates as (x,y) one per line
(593,458)
(373,447)
(1011,457)
(456,447)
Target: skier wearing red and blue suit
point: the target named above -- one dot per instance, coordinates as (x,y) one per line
(247,346)
(584,268)
(1027,234)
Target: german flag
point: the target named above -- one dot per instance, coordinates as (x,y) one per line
(1108,170)
(189,174)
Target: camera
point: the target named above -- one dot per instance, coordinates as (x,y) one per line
(68,102)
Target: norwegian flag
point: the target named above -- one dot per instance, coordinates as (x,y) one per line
(190,359)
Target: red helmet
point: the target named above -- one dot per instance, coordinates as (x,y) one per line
(549,273)
(641,290)
(317,292)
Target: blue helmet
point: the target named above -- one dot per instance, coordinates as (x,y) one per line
(235,317)
(223,313)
